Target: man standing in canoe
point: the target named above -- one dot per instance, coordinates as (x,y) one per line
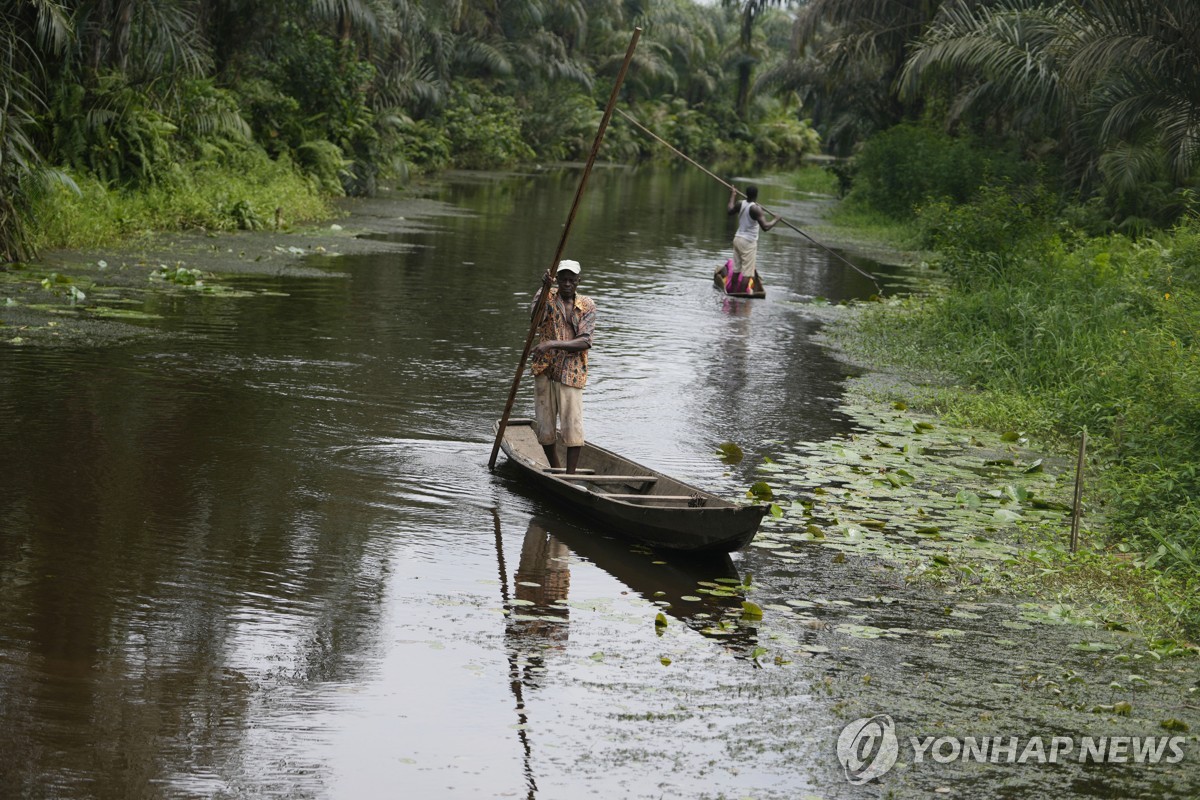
(560,362)
(751,217)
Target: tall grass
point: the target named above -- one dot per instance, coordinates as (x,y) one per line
(814,179)
(855,219)
(242,191)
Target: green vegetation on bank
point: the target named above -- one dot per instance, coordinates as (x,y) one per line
(1053,330)
(1098,102)
(143,110)
(239,194)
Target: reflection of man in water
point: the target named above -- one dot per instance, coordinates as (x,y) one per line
(543,578)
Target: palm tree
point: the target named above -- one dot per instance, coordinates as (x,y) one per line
(848,56)
(748,56)
(690,35)
(1116,81)
(28,31)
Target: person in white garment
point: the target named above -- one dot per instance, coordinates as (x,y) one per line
(751,218)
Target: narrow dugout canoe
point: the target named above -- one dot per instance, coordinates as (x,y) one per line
(638,503)
(759,291)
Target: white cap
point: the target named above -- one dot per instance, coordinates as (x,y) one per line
(569,266)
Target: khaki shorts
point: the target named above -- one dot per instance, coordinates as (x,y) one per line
(745,256)
(554,401)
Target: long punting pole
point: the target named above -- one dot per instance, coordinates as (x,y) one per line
(562,243)
(666,144)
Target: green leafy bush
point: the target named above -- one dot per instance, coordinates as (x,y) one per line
(423,144)
(209,118)
(908,166)
(781,138)
(484,129)
(240,191)
(112,130)
(984,241)
(324,162)
(316,89)
(275,117)
(560,123)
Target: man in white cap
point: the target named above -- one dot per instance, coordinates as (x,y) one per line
(559,362)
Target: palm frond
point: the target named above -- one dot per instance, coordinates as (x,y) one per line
(164,40)
(53,25)
(363,15)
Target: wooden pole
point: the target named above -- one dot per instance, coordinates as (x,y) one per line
(1076,509)
(562,243)
(731,187)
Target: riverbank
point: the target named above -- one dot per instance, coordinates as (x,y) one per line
(96,295)
(1109,580)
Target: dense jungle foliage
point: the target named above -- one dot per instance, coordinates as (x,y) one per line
(1046,151)
(155,96)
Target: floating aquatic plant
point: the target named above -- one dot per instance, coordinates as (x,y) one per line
(761,490)
(730,453)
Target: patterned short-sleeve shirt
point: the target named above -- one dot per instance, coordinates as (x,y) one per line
(567,367)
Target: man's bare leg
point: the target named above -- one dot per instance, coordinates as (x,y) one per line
(572,458)
(552,456)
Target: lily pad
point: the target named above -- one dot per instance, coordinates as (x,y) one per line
(730,453)
(864,631)
(760,490)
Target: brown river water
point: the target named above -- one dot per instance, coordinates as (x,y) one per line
(264,556)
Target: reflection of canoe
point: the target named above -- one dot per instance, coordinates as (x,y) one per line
(682,584)
(637,502)
(760,290)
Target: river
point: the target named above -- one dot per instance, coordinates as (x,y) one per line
(264,556)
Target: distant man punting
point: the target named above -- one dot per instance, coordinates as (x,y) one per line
(751,218)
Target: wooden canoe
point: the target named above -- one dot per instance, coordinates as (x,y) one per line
(759,291)
(636,502)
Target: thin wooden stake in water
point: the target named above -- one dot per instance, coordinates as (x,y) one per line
(562,243)
(727,185)
(1076,509)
